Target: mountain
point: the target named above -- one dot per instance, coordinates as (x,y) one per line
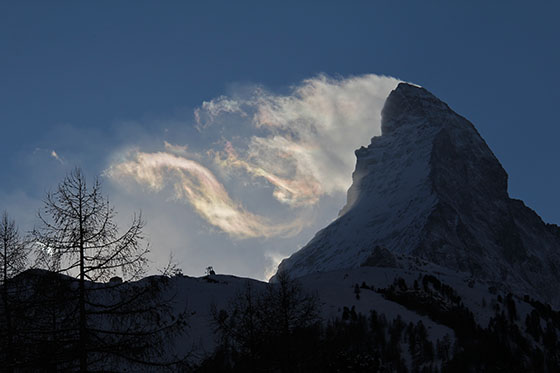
(430,187)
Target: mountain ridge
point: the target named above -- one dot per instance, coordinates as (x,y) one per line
(431,187)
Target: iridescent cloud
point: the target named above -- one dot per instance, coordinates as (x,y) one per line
(302,144)
(196,184)
(307,149)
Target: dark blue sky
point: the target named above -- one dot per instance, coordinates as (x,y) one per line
(83,78)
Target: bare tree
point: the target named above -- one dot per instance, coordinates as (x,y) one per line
(289,306)
(77,236)
(264,329)
(13,259)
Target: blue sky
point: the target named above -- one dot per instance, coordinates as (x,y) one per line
(100,82)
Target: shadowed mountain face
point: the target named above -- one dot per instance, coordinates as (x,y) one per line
(430,187)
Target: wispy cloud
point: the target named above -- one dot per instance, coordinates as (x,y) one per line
(214,108)
(46,153)
(176,149)
(301,144)
(308,138)
(193,182)
(55,155)
(272,261)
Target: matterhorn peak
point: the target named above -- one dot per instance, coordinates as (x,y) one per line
(430,187)
(408,99)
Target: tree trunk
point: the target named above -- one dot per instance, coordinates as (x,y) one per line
(82,300)
(7,313)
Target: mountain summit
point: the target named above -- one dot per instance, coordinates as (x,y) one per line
(430,187)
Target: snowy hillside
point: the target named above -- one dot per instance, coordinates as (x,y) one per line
(456,310)
(412,315)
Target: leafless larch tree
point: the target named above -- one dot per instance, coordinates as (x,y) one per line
(108,321)
(13,259)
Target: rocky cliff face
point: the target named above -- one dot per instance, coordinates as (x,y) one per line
(430,187)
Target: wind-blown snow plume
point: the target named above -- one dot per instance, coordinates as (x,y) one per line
(307,141)
(302,144)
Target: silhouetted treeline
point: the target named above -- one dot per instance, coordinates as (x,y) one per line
(377,342)
(267,329)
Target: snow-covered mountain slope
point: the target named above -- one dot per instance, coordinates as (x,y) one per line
(430,187)
(336,292)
